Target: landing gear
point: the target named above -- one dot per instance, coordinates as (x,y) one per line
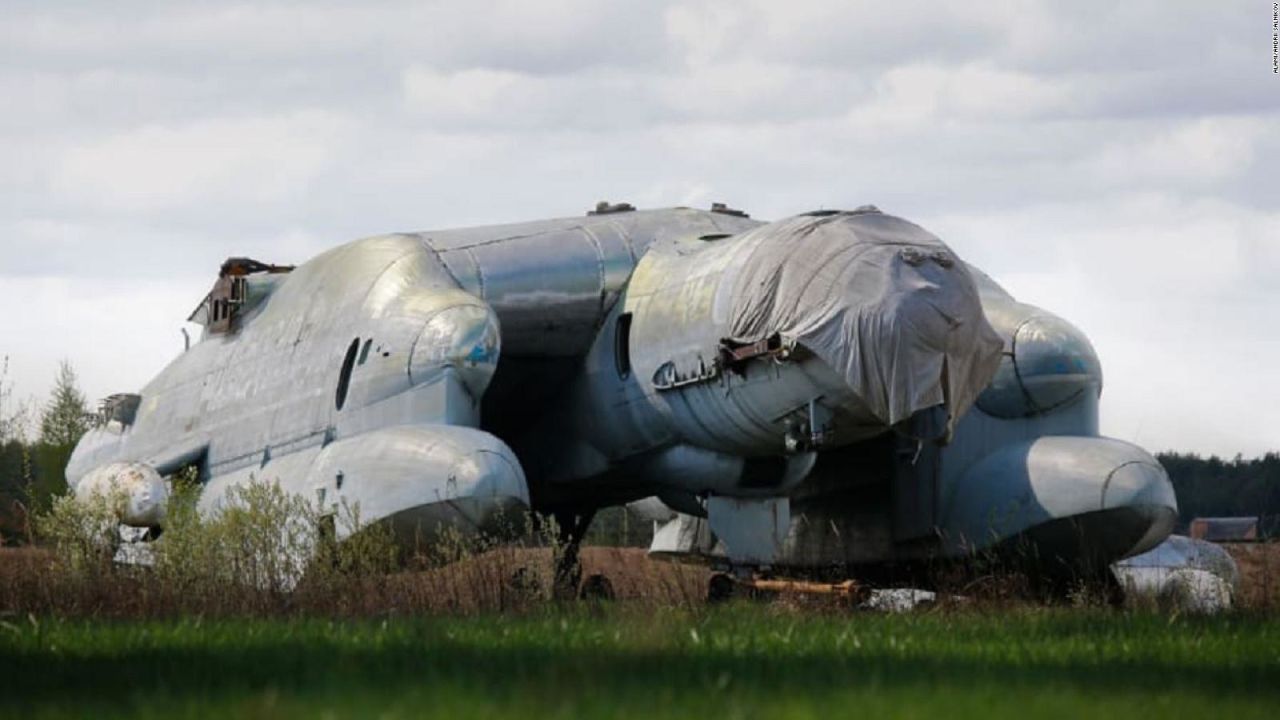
(596,587)
(721,588)
(571,527)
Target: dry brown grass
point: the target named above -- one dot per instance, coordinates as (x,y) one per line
(1259,574)
(504,579)
(481,579)
(518,579)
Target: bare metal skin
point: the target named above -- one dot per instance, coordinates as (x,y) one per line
(765,378)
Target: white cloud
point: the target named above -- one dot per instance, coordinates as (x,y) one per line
(854,33)
(911,97)
(1199,152)
(117,333)
(610,100)
(1133,247)
(466,95)
(234,162)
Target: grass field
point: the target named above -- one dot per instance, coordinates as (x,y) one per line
(736,661)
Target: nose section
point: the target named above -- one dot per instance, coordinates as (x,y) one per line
(463,337)
(1140,492)
(490,486)
(1077,498)
(1136,483)
(1048,363)
(490,473)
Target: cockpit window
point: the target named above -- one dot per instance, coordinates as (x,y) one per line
(344,376)
(622,346)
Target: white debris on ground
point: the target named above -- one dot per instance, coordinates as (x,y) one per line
(898,599)
(1181,573)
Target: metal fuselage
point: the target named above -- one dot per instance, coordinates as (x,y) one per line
(447,378)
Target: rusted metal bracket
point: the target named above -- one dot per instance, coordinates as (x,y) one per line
(241,266)
(223,302)
(735,355)
(724,586)
(847,589)
(732,356)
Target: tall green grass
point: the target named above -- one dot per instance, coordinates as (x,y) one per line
(738,661)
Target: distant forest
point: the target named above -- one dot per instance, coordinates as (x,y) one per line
(36,442)
(1213,487)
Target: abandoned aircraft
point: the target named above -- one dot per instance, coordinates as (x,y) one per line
(835,389)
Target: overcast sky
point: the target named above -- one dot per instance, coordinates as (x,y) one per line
(1116,163)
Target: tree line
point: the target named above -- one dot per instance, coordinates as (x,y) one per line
(36,443)
(1213,487)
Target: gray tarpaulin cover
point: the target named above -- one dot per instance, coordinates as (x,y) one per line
(881,300)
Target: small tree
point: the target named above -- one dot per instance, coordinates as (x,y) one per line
(15,461)
(63,422)
(13,414)
(65,417)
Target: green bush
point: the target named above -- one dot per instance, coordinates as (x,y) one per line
(83,534)
(261,550)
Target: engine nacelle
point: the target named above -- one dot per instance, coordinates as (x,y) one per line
(138,494)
